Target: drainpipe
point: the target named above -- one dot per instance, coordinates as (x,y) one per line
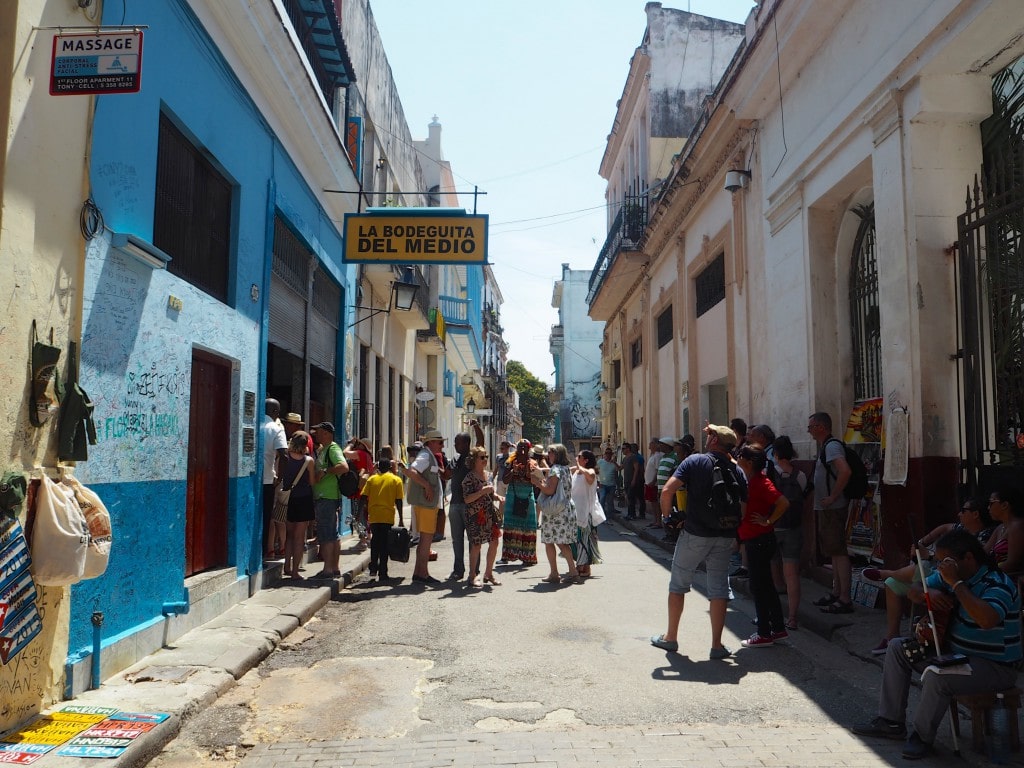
(97,631)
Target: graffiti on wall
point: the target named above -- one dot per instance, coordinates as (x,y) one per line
(137,364)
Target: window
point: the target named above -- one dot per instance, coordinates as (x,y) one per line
(865,327)
(710,285)
(192,217)
(665,327)
(636,356)
(616,374)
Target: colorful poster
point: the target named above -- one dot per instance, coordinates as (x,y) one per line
(864,434)
(19,617)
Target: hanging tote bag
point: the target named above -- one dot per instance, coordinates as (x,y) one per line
(60,536)
(97,520)
(45,391)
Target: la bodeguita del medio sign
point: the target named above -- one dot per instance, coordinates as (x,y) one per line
(415,237)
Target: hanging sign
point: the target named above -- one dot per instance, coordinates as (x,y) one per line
(96,62)
(415,236)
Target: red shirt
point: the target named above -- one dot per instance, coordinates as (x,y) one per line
(761,496)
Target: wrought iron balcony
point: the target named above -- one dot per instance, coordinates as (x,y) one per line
(625,233)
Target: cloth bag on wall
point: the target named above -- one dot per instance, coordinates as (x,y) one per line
(60,536)
(97,520)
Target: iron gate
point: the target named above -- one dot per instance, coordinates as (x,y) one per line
(990,292)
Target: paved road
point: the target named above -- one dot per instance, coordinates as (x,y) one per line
(534,674)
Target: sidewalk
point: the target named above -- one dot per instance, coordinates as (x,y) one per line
(186,677)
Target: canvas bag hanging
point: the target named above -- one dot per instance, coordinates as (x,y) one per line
(101,536)
(45,390)
(60,536)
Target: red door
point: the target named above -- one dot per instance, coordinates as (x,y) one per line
(209,439)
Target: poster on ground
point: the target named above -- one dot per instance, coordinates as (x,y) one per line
(865,435)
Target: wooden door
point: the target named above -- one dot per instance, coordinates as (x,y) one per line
(209,440)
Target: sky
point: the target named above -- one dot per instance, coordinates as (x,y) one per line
(525,93)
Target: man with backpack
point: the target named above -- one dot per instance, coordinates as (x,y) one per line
(330,464)
(832,473)
(715,501)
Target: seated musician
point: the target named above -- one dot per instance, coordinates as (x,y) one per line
(984,626)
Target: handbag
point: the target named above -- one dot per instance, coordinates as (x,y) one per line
(97,520)
(60,536)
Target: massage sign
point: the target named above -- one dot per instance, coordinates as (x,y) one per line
(97,62)
(415,236)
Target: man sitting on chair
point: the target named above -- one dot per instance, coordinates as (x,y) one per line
(984,627)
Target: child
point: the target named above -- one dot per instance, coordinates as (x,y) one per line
(382,491)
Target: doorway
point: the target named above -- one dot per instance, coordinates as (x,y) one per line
(209,440)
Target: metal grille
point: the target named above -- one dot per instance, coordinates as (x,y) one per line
(291,258)
(710,285)
(865,325)
(192,215)
(990,267)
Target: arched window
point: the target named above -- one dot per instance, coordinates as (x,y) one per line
(865,327)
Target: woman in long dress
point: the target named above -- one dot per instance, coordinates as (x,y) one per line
(584,496)
(520,520)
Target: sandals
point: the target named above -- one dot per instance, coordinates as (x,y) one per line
(826,600)
(791,625)
(837,607)
(659,641)
(551,579)
(491,580)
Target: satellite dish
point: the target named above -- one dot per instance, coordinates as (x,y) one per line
(424,397)
(425,416)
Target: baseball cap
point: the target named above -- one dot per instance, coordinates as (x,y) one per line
(324,425)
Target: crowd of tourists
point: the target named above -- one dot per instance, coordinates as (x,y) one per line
(526,489)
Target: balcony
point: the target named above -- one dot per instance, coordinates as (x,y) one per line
(465,327)
(614,272)
(318,27)
(432,339)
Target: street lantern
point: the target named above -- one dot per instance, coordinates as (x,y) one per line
(470,406)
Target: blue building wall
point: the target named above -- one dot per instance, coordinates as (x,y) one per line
(136,352)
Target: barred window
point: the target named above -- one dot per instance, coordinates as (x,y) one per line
(710,285)
(192,213)
(636,356)
(665,327)
(865,325)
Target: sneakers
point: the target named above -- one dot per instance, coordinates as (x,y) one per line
(887,729)
(756,641)
(780,635)
(915,748)
(717,654)
(882,647)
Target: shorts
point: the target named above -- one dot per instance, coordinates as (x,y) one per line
(790,543)
(901,588)
(426,519)
(832,531)
(327,520)
(690,552)
(651,492)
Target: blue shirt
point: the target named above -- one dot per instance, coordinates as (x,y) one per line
(1001,642)
(695,473)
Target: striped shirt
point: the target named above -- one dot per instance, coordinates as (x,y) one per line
(666,467)
(1000,643)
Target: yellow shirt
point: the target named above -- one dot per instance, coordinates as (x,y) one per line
(383,490)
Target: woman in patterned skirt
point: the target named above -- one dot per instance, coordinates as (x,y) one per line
(483,523)
(558,520)
(520,520)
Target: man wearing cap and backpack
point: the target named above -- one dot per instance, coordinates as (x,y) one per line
(715,502)
(329,466)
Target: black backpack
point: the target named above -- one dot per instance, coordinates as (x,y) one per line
(856,487)
(723,507)
(348,483)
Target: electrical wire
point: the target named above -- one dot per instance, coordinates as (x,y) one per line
(90,220)
(782,113)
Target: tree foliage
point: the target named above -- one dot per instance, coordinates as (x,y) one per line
(534,401)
